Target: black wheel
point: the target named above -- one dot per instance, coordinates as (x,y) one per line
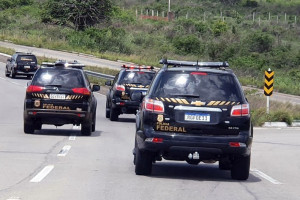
(107,111)
(240,168)
(134,152)
(114,115)
(12,74)
(143,162)
(86,129)
(28,127)
(6,72)
(37,126)
(94,122)
(224,165)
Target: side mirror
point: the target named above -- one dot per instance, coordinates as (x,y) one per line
(8,59)
(137,96)
(108,83)
(95,88)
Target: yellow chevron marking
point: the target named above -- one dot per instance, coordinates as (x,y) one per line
(157,98)
(232,103)
(179,101)
(162,99)
(268,91)
(268,83)
(222,103)
(269,75)
(184,101)
(238,103)
(172,99)
(46,96)
(211,103)
(168,99)
(227,103)
(217,103)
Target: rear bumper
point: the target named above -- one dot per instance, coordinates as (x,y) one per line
(126,106)
(56,117)
(208,147)
(26,73)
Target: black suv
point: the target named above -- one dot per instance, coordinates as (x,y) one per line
(21,64)
(60,95)
(193,112)
(130,79)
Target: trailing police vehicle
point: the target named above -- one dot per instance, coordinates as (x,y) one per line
(130,79)
(194,112)
(60,93)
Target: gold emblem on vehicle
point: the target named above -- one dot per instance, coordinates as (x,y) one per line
(37,103)
(198,103)
(160,118)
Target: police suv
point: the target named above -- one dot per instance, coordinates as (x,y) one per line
(60,93)
(130,79)
(194,112)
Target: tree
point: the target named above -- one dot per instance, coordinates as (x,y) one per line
(81,14)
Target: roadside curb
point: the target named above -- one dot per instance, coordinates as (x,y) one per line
(281,124)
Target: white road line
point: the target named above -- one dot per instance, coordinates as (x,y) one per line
(42,174)
(72,137)
(64,151)
(265,176)
(14,198)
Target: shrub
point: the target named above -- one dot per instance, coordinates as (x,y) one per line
(281,116)
(189,44)
(259,42)
(219,27)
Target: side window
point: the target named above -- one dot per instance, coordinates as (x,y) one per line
(116,79)
(14,57)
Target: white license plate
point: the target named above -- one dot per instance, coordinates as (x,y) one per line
(26,67)
(197,117)
(57,96)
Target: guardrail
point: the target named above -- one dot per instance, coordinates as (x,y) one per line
(99,75)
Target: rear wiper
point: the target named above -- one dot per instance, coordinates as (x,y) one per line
(53,85)
(185,95)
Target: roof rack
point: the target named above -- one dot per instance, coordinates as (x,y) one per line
(73,64)
(137,67)
(177,63)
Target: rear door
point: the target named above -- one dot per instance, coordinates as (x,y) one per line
(26,63)
(198,103)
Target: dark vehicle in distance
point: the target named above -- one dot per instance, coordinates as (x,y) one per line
(58,95)
(130,79)
(24,64)
(194,112)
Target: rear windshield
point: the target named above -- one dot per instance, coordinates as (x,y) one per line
(60,78)
(137,77)
(26,59)
(203,86)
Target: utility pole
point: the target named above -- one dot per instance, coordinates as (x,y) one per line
(169,10)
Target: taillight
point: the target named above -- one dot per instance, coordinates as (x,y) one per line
(240,110)
(83,91)
(120,87)
(154,106)
(34,88)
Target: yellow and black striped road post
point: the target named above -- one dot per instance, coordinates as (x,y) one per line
(268,88)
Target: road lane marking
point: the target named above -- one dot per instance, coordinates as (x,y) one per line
(72,137)
(14,198)
(64,151)
(42,174)
(265,176)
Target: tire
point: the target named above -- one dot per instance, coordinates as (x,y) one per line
(28,127)
(12,73)
(143,162)
(37,126)
(6,72)
(86,129)
(240,168)
(224,165)
(94,122)
(114,116)
(107,111)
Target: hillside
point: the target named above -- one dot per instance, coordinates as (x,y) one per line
(251,35)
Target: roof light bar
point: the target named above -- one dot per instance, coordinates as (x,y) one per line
(196,64)
(137,67)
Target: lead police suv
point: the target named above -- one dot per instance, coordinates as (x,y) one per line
(193,112)
(60,94)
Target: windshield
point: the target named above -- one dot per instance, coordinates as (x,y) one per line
(137,77)
(27,59)
(203,86)
(59,78)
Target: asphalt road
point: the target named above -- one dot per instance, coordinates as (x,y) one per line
(82,58)
(59,163)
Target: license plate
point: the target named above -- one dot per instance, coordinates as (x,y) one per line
(57,96)
(197,117)
(26,67)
